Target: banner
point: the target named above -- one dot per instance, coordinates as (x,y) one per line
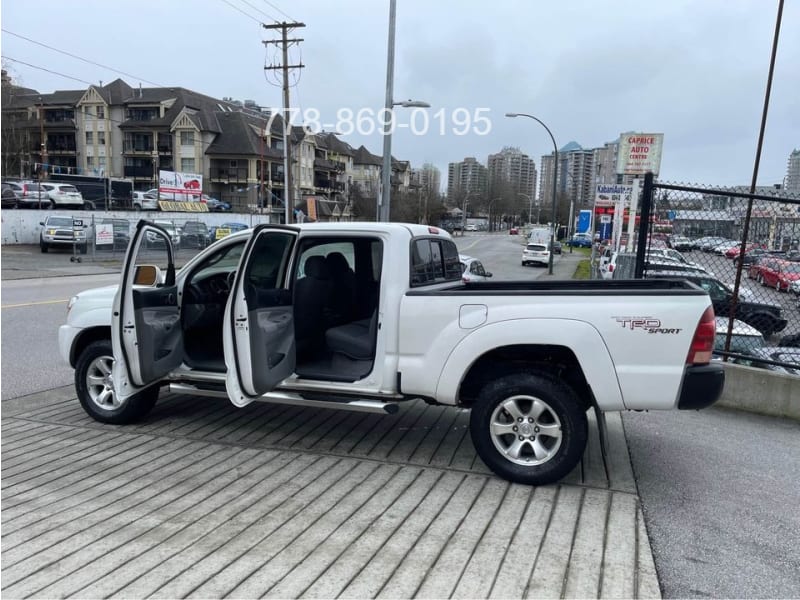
(639,153)
(170,206)
(181,186)
(103,234)
(311,204)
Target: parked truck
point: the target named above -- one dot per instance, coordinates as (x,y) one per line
(365,316)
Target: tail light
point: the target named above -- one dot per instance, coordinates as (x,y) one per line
(610,268)
(703,341)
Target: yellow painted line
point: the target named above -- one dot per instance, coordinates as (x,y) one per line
(34,303)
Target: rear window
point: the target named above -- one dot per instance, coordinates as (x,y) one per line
(434,261)
(68,189)
(537,247)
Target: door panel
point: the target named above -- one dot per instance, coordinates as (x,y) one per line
(146,331)
(259,324)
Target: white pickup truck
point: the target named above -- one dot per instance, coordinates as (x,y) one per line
(362,316)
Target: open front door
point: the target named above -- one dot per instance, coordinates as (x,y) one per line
(258,333)
(145,325)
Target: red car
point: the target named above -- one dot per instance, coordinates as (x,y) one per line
(778,273)
(734,252)
(513,231)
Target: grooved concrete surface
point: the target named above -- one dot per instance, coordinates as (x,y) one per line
(207,500)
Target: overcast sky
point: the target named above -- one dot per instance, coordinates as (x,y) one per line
(693,70)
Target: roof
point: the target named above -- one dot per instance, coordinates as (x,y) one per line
(363,156)
(238,135)
(571,147)
(334,144)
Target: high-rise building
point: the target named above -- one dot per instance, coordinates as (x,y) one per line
(576,175)
(428,178)
(793,172)
(468,176)
(516,168)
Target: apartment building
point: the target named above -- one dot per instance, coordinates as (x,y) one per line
(427,178)
(468,176)
(576,175)
(511,166)
(792,182)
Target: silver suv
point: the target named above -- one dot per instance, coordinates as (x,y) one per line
(63,232)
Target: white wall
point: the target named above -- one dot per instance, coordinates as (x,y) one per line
(22,226)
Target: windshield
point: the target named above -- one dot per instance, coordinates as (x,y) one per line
(59,222)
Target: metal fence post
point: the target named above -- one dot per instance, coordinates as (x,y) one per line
(644,225)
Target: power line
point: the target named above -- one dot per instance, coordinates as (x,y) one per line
(246,14)
(86,60)
(22,62)
(278,9)
(255,8)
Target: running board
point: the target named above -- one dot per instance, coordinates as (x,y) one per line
(293,399)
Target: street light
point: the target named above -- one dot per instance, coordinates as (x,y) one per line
(555,178)
(382,212)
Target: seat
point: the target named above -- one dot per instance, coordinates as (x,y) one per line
(342,307)
(311,296)
(355,340)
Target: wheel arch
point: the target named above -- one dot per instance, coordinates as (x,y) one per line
(86,337)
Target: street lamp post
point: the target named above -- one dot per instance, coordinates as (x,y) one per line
(382,212)
(555,179)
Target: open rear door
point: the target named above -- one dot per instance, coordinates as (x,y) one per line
(258,333)
(145,325)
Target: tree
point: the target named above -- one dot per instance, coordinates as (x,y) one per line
(14,126)
(363,206)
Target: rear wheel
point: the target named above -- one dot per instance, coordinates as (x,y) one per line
(94,385)
(529,428)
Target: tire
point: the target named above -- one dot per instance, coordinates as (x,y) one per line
(552,456)
(43,247)
(95,396)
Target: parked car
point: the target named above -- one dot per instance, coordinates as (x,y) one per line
(472,269)
(9,198)
(671,255)
(536,254)
(59,231)
(767,318)
(30,194)
(783,354)
(581,240)
(709,243)
(680,243)
(145,201)
(513,231)
(194,234)
(471,227)
(778,273)
(63,194)
(744,338)
(733,252)
(723,247)
(556,247)
(170,228)
(215,205)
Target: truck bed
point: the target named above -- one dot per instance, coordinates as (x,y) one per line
(595,287)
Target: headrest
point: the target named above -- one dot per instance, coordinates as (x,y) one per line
(316,268)
(337,262)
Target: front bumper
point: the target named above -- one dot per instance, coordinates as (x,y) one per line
(702,386)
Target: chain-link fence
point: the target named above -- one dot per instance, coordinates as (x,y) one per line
(743,249)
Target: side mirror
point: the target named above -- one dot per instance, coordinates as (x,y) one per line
(488,273)
(147,275)
(41,223)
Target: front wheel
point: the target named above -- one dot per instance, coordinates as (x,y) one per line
(94,385)
(529,428)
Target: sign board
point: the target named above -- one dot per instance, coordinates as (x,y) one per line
(181,186)
(311,204)
(605,219)
(169,206)
(104,234)
(612,194)
(221,233)
(584,221)
(639,153)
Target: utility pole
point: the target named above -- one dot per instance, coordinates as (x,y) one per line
(287,126)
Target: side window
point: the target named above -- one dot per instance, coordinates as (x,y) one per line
(452,270)
(437,265)
(477,269)
(266,269)
(421,272)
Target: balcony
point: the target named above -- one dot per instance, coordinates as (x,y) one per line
(164,148)
(139,172)
(61,149)
(322,183)
(277,176)
(137,147)
(228,174)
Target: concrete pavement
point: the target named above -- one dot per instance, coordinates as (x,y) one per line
(206,500)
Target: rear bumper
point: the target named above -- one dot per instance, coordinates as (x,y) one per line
(701,387)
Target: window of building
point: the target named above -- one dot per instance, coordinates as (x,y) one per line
(101,112)
(89,138)
(187,165)
(187,138)
(101,137)
(87,111)
(233,164)
(90,162)
(101,162)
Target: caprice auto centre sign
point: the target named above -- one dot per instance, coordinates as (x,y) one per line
(639,153)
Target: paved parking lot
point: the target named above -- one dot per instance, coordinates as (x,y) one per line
(206,500)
